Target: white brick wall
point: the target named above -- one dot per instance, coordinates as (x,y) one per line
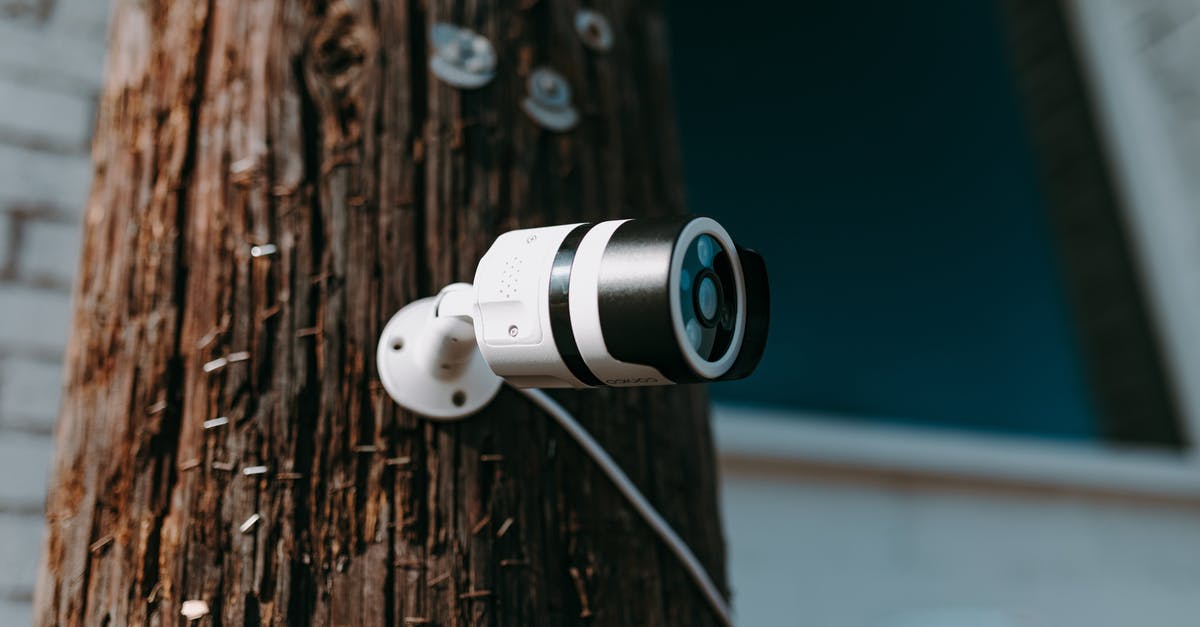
(35,178)
(50,252)
(29,391)
(38,115)
(6,233)
(84,16)
(20,559)
(24,460)
(32,319)
(16,611)
(51,57)
(57,54)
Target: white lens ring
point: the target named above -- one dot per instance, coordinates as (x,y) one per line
(703,367)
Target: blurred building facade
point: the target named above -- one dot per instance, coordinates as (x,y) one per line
(830,521)
(51,56)
(981,402)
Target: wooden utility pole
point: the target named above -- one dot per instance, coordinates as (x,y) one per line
(223,437)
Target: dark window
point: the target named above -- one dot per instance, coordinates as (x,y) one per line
(879,155)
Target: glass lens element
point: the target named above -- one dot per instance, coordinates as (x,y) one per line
(706,298)
(706,248)
(694,333)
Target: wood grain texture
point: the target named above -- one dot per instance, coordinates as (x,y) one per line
(316,127)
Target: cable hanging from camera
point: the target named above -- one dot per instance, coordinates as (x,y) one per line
(660,526)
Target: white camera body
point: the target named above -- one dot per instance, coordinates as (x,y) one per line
(512,315)
(618,303)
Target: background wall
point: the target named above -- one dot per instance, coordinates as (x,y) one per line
(807,551)
(51,56)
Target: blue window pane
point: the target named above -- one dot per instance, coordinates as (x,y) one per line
(875,153)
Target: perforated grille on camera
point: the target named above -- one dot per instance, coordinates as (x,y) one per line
(510,278)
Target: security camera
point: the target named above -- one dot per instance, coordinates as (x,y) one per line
(618,303)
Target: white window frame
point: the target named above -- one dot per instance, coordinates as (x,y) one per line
(797,442)
(1148,144)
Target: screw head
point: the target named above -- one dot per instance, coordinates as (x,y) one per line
(513,331)
(462,57)
(549,88)
(549,101)
(594,30)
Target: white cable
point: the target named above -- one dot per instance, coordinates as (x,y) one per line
(639,502)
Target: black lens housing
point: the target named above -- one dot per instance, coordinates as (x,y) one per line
(634,302)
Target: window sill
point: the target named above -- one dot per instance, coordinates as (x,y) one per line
(753,440)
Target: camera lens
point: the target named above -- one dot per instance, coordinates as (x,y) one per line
(706,276)
(669,293)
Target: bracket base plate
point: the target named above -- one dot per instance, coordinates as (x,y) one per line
(419,387)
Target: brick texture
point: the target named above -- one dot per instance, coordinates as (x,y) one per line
(53,55)
(29,392)
(20,559)
(33,10)
(6,233)
(24,460)
(49,252)
(87,16)
(33,320)
(51,60)
(15,611)
(34,178)
(40,116)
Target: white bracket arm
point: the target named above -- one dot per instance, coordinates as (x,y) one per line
(428,358)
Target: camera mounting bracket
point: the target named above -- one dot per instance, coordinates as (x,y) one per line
(428,359)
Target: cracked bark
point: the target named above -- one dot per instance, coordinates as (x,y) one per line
(315,126)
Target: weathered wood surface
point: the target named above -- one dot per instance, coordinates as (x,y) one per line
(316,127)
